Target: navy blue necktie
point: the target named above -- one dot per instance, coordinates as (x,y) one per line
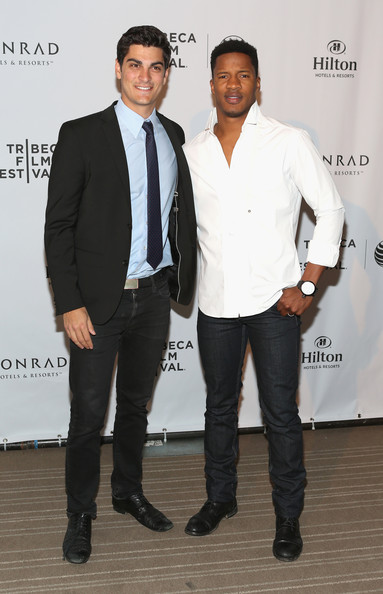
(154,249)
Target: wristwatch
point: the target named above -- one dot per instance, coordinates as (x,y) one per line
(308,288)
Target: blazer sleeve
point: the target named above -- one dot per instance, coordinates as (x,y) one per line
(182,223)
(66,185)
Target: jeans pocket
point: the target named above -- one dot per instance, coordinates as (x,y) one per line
(161,287)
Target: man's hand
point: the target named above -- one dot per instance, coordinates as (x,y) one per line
(78,326)
(293,302)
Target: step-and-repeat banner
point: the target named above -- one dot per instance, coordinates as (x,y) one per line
(320,70)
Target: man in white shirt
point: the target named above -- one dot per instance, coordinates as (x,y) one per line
(249,174)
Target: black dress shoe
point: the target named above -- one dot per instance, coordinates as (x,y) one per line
(209,516)
(76,545)
(288,543)
(139,507)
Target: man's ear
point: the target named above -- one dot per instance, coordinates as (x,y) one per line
(166,76)
(117,69)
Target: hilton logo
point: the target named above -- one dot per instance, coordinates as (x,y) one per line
(336,47)
(334,67)
(378,254)
(322,358)
(323,342)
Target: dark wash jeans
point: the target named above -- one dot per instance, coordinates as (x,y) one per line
(275,342)
(137,333)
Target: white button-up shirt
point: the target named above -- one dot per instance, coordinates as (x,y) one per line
(247,213)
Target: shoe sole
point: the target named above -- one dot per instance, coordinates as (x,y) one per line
(226,516)
(80,562)
(288,559)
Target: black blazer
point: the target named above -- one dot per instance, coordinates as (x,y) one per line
(89,222)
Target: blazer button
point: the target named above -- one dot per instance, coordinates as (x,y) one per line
(125,262)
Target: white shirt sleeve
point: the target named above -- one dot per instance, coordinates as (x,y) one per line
(318,190)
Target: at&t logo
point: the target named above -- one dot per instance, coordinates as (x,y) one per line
(378,254)
(232,38)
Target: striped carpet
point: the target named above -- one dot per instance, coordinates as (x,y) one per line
(342,525)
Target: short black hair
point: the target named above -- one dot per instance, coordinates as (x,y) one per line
(145,35)
(229,46)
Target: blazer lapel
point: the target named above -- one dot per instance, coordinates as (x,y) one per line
(116,146)
(176,142)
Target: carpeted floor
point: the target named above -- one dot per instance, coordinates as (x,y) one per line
(342,525)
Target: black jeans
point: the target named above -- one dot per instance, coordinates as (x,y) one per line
(137,333)
(274,341)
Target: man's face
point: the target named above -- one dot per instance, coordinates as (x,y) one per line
(234,84)
(142,77)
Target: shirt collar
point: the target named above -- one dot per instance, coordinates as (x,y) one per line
(132,120)
(252,118)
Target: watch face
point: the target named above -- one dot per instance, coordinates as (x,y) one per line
(308,288)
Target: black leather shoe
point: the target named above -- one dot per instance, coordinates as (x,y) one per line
(139,507)
(288,543)
(76,545)
(209,516)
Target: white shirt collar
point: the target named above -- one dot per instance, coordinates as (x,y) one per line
(252,118)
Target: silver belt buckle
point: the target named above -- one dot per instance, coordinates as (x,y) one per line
(131,283)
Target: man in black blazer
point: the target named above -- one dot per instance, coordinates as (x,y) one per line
(113,301)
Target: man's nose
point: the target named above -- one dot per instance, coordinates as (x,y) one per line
(233,82)
(145,74)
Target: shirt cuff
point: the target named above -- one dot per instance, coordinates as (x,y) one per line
(322,254)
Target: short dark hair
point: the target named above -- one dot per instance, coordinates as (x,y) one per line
(229,46)
(145,35)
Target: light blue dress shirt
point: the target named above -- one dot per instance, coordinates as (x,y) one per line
(134,138)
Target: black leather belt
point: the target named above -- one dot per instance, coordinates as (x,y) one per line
(140,283)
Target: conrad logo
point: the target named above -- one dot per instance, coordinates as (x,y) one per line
(31,367)
(23,48)
(347,164)
(27,54)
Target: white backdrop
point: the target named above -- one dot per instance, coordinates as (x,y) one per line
(320,70)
